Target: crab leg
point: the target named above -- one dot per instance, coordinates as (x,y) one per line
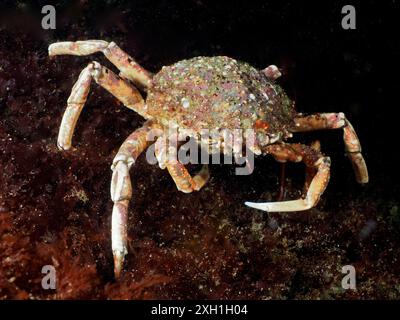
(121,89)
(184,181)
(312,159)
(121,191)
(166,155)
(310,171)
(352,143)
(125,63)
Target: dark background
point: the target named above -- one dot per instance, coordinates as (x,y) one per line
(203,245)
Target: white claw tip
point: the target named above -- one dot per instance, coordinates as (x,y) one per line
(259,206)
(50,50)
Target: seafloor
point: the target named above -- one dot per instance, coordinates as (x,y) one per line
(55,206)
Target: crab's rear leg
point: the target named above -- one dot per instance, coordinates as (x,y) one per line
(352,143)
(166,152)
(121,190)
(129,68)
(312,159)
(120,88)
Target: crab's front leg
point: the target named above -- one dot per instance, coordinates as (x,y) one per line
(312,159)
(352,143)
(129,68)
(166,153)
(120,88)
(121,190)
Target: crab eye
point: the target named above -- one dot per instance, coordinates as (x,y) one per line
(272,72)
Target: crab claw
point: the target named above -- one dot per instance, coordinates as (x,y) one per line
(281,206)
(313,159)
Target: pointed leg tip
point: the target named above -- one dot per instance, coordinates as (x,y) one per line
(255,205)
(119,258)
(63,146)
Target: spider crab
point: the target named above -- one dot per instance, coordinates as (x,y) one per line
(213,92)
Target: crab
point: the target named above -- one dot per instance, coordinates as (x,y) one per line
(193,94)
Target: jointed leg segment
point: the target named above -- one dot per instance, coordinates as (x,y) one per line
(125,63)
(352,143)
(166,154)
(121,191)
(183,180)
(121,89)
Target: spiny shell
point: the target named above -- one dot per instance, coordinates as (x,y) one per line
(218,92)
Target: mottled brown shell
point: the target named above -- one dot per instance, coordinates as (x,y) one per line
(219,92)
